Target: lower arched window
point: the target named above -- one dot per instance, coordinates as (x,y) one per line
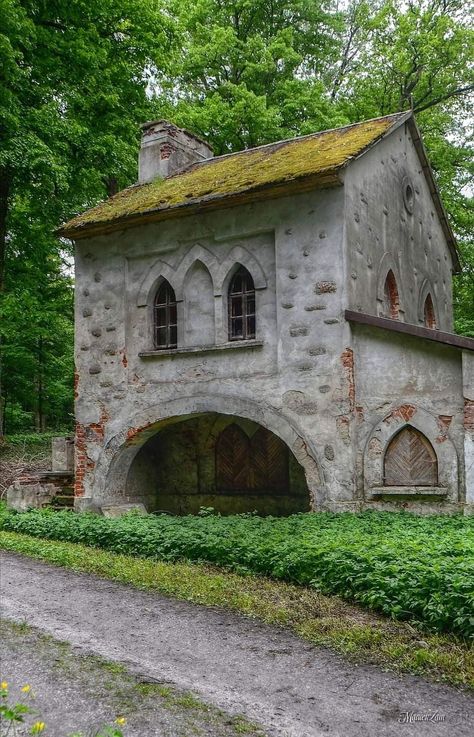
(429,313)
(241,306)
(165,317)
(410,460)
(391,297)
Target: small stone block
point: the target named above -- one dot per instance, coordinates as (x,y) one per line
(117,510)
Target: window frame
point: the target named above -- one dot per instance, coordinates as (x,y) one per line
(246,296)
(168,306)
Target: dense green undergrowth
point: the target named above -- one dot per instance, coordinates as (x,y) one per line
(419,569)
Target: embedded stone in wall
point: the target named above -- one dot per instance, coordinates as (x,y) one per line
(318,350)
(329,452)
(324,389)
(299,403)
(375,448)
(95,369)
(331,321)
(313,308)
(342,426)
(444,422)
(96,332)
(287,305)
(86,312)
(298,330)
(325,287)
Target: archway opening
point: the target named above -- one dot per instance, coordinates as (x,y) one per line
(226,462)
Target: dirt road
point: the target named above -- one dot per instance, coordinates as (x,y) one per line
(277,680)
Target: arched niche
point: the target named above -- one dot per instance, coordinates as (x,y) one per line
(427,306)
(410,460)
(390,298)
(429,427)
(199,320)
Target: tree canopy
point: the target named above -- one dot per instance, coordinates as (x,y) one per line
(77,79)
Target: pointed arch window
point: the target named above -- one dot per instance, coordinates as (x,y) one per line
(241,306)
(165,317)
(391,297)
(429,313)
(410,460)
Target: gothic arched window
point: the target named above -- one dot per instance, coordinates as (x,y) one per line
(429,313)
(391,297)
(165,317)
(410,460)
(241,306)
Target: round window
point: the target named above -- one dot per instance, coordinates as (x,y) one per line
(408,195)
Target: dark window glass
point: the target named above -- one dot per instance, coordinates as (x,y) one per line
(165,317)
(241,306)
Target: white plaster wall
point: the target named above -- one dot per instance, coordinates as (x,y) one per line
(297,374)
(380,232)
(392,370)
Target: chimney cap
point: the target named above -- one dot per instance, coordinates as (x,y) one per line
(166,124)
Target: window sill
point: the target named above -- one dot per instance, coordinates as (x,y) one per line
(198,349)
(397,491)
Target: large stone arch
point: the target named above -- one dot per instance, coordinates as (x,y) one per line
(121,447)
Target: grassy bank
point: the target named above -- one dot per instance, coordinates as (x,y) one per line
(418,569)
(319,619)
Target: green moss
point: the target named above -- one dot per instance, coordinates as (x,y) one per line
(316,155)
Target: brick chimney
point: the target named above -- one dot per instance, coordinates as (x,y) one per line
(166,149)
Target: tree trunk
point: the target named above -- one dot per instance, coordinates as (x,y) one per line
(5,188)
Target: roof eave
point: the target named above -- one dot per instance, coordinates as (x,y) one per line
(274,190)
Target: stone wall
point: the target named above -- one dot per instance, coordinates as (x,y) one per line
(293,379)
(321,389)
(388,230)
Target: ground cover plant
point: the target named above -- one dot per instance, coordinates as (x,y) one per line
(413,568)
(329,621)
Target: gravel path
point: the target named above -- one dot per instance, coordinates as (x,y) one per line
(242,666)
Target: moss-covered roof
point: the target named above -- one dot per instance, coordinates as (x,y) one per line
(312,160)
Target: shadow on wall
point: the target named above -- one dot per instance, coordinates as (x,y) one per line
(220,461)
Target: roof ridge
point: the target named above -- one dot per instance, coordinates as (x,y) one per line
(205,162)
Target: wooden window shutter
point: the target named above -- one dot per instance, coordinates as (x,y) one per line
(410,460)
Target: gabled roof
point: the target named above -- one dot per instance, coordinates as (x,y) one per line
(312,160)
(307,162)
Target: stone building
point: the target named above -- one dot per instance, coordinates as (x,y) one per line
(271,330)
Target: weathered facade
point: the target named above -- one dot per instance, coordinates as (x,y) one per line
(311,398)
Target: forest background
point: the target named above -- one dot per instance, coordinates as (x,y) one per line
(78,77)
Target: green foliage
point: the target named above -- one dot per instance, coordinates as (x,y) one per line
(78,78)
(72,95)
(415,568)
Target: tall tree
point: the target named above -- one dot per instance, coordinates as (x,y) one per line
(251,71)
(72,91)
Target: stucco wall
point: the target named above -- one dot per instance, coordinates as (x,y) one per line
(325,390)
(401,380)
(382,234)
(296,377)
